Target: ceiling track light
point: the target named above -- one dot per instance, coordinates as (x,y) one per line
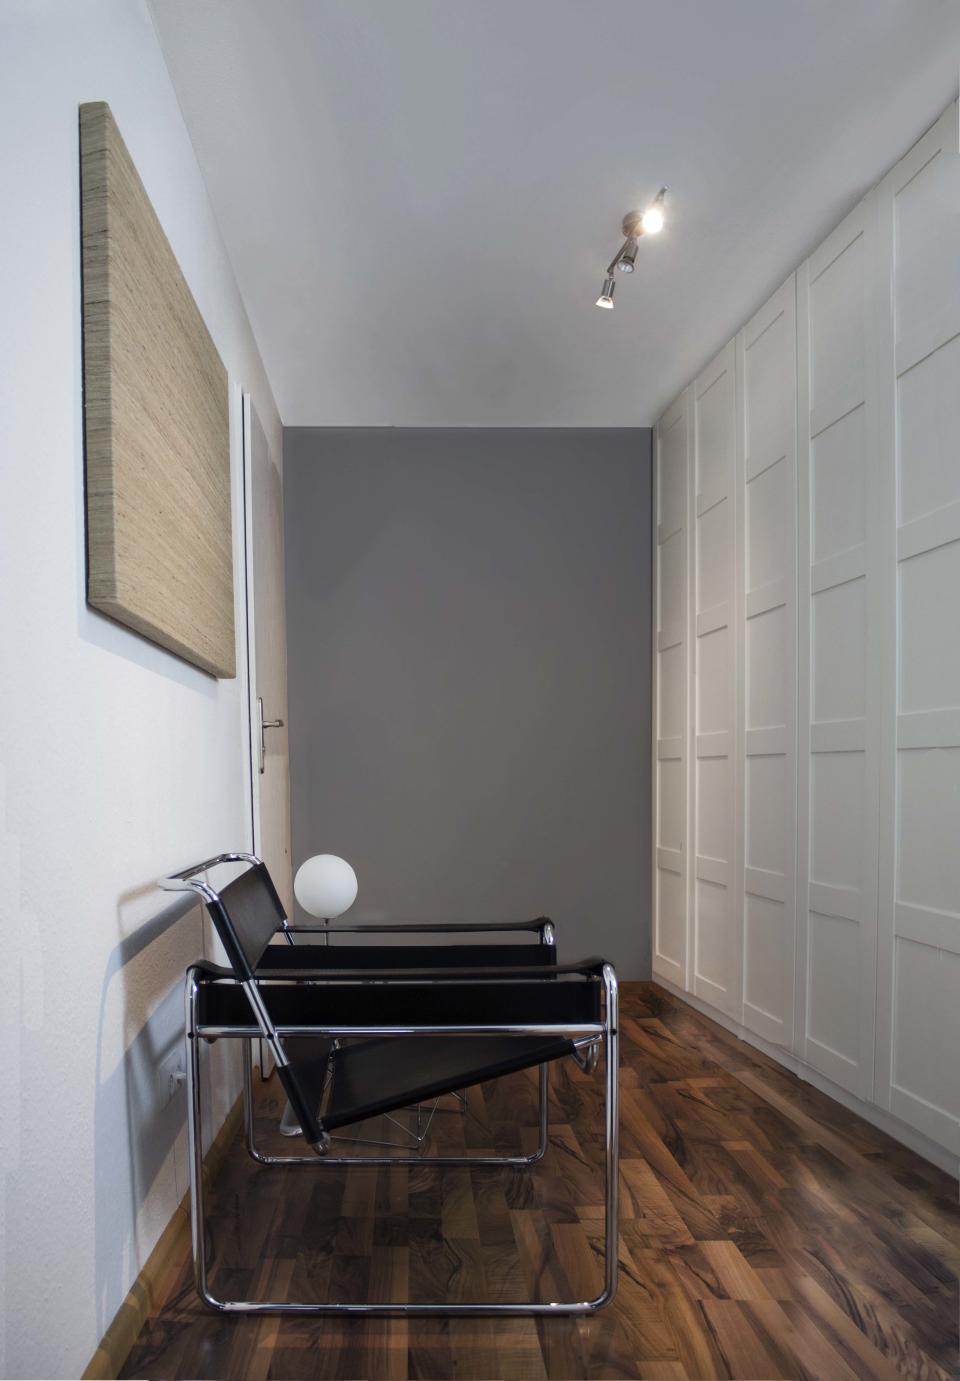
(634,224)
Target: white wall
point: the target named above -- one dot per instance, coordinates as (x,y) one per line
(830,930)
(119,761)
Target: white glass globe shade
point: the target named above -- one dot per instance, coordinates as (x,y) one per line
(325,886)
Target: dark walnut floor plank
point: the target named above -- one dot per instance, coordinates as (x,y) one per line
(766,1232)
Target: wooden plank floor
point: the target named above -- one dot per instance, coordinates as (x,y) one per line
(766,1232)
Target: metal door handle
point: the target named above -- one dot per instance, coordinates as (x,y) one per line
(265,724)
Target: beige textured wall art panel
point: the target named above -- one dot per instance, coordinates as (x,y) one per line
(159,545)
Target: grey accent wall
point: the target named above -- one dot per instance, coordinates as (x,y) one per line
(469,674)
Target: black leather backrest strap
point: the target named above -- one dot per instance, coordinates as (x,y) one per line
(247,917)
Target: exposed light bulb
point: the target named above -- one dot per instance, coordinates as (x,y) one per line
(652,220)
(606,297)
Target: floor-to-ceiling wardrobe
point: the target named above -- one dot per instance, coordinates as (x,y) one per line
(807,650)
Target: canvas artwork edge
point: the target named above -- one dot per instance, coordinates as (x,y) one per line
(156,421)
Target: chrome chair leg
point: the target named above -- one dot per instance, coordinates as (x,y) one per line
(611,1216)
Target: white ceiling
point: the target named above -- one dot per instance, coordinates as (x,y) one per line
(419,196)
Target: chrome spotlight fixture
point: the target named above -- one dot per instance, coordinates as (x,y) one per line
(634,224)
(606,296)
(628,255)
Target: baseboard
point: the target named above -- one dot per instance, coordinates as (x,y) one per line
(144,1294)
(877,1117)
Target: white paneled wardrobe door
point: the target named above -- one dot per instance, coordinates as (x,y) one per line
(918,1012)
(670,699)
(838,705)
(714,928)
(766,485)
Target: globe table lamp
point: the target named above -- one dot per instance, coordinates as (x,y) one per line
(325,886)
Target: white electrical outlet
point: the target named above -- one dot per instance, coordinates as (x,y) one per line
(171,1076)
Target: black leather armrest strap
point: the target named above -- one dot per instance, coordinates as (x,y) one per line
(406,1004)
(415,928)
(399,956)
(501,973)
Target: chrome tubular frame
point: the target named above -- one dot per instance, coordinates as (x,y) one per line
(607,1032)
(185,881)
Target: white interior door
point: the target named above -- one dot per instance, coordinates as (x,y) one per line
(839,673)
(918,1009)
(714,923)
(670,694)
(766,500)
(267,644)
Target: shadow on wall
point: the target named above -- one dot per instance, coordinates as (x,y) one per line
(140,1164)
